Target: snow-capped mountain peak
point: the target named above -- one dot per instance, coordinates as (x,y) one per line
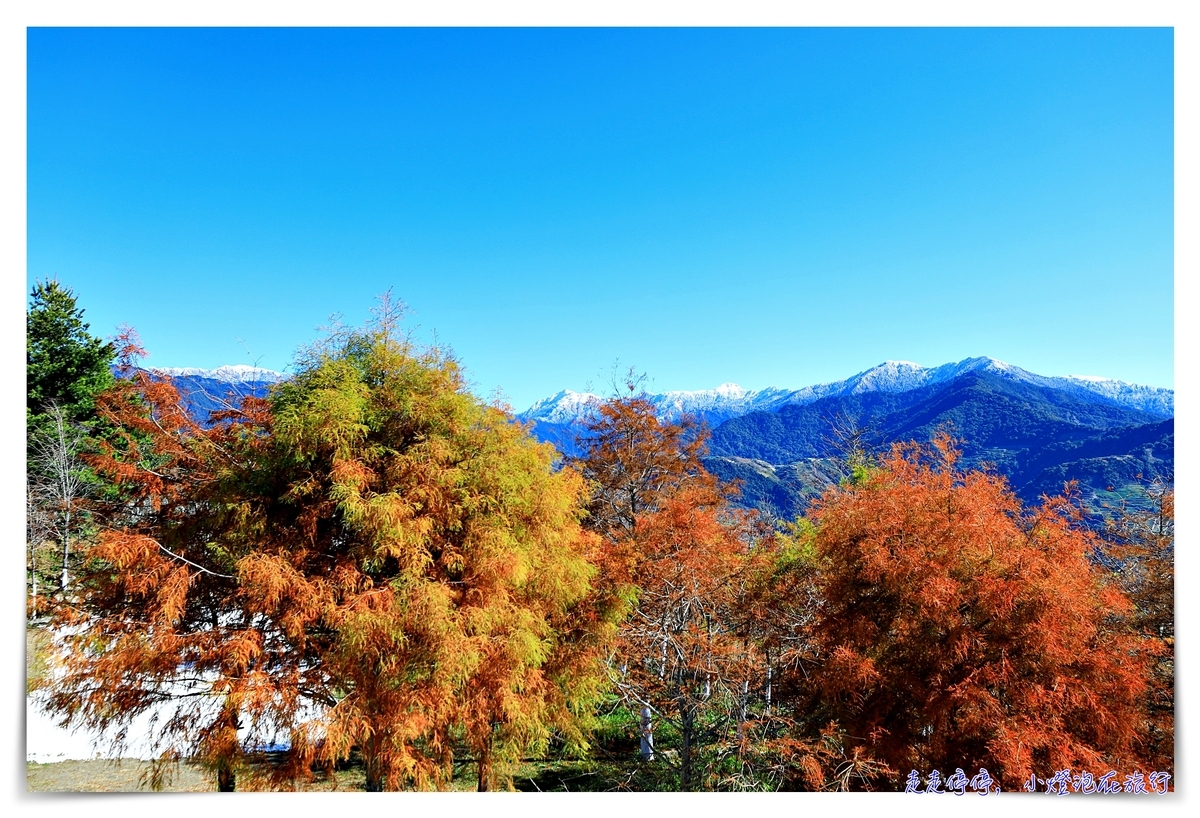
(889,376)
(730,400)
(564,407)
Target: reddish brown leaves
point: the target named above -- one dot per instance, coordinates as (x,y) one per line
(674,546)
(371,559)
(959,630)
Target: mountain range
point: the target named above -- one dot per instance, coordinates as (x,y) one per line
(1036,436)
(780,444)
(730,400)
(1038,431)
(205,391)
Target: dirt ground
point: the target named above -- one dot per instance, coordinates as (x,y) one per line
(128,775)
(109,776)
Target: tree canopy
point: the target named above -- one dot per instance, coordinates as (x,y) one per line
(677,551)
(65,364)
(65,368)
(372,559)
(955,629)
(373,564)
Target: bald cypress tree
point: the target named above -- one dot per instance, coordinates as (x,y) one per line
(370,562)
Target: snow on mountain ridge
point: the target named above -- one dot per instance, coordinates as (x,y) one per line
(1146,398)
(711,405)
(730,400)
(230,373)
(564,407)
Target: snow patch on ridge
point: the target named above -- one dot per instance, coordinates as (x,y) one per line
(231,373)
(730,400)
(564,407)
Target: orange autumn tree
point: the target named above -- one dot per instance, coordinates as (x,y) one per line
(386,566)
(680,653)
(419,549)
(1140,547)
(155,624)
(674,551)
(788,746)
(953,628)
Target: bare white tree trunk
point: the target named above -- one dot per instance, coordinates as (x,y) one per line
(741,729)
(647,749)
(56,463)
(33,567)
(37,531)
(66,552)
(768,693)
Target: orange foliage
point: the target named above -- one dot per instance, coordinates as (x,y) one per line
(677,551)
(374,561)
(953,628)
(371,559)
(1140,542)
(158,615)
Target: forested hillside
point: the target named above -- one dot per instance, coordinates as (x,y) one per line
(1037,437)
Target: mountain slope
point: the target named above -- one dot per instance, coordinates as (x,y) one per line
(779,444)
(1037,436)
(204,391)
(727,401)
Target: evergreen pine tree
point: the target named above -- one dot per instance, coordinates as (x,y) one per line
(66,368)
(65,364)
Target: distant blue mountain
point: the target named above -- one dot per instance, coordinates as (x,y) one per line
(1037,436)
(204,391)
(1038,431)
(781,445)
(729,400)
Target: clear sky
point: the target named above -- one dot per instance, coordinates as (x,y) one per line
(765,206)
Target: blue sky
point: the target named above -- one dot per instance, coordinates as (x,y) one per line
(767,206)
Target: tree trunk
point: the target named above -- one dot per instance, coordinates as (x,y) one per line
(447,763)
(66,580)
(647,751)
(226,776)
(372,765)
(741,729)
(33,572)
(768,694)
(685,751)
(485,770)
(374,779)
